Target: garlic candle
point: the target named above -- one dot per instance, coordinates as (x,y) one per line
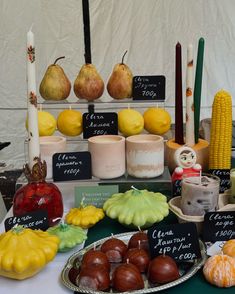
(33,135)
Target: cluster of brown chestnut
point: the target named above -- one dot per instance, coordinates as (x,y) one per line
(122,266)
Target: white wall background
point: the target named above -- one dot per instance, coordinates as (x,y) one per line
(148,29)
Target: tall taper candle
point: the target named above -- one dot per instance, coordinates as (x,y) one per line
(179,133)
(198,87)
(189,134)
(86,29)
(33,134)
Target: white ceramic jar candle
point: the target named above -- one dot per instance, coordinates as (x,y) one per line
(107,156)
(199,194)
(145,155)
(49,145)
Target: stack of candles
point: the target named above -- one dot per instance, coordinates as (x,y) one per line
(193,104)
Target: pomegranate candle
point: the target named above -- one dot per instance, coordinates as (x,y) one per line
(199,194)
(145,156)
(107,156)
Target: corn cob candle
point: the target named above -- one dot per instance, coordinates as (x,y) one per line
(221,132)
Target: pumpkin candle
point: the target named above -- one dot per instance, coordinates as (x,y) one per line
(179,135)
(33,135)
(189,136)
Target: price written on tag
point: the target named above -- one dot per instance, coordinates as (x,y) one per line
(99,123)
(219,226)
(34,220)
(95,195)
(180,241)
(71,166)
(149,88)
(224,175)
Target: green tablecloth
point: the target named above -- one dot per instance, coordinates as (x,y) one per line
(196,284)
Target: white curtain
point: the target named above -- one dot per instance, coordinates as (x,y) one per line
(148,29)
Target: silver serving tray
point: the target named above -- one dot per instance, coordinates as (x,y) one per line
(184,274)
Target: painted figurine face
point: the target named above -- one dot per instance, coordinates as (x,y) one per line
(185,157)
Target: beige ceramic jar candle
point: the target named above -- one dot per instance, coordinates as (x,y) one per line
(107,156)
(145,155)
(49,145)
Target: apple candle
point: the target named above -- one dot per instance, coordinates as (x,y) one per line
(33,134)
(232,182)
(199,194)
(179,133)
(189,134)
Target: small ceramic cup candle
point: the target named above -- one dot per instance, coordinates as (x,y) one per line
(199,194)
(107,156)
(145,155)
(232,183)
(49,145)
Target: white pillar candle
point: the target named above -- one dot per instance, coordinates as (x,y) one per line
(189,136)
(33,134)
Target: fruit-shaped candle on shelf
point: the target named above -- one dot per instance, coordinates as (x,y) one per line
(69,122)
(46,123)
(130,122)
(38,194)
(55,85)
(120,82)
(88,84)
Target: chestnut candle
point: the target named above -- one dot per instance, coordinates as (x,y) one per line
(199,194)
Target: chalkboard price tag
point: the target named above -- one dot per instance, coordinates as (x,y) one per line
(219,226)
(99,123)
(71,166)
(180,241)
(34,220)
(149,88)
(224,175)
